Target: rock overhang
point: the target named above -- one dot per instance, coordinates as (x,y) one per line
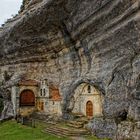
(48,27)
(35,28)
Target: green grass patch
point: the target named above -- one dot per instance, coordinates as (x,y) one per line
(11,130)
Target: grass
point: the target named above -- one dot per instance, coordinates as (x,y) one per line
(11,130)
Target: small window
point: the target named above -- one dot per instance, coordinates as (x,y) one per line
(44,94)
(89,89)
(44,90)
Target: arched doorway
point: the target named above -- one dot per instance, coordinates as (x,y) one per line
(27,98)
(89,109)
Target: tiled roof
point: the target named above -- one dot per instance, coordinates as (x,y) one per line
(28,83)
(54,93)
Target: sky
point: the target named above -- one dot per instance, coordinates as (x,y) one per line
(8,8)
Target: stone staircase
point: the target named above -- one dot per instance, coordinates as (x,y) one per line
(78,122)
(62,128)
(65,132)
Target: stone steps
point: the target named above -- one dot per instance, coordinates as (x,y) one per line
(78,123)
(75,124)
(63,132)
(62,128)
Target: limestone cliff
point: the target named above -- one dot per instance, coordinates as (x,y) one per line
(80,41)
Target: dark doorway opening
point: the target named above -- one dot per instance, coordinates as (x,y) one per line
(1,104)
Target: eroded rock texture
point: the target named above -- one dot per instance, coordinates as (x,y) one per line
(81,41)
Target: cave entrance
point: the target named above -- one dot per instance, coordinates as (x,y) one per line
(89,109)
(1,104)
(27,98)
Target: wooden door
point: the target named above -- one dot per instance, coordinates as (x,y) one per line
(89,109)
(27,98)
(42,106)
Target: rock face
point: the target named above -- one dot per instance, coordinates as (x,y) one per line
(70,42)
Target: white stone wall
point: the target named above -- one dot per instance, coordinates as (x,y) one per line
(82,96)
(13,98)
(50,106)
(53,107)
